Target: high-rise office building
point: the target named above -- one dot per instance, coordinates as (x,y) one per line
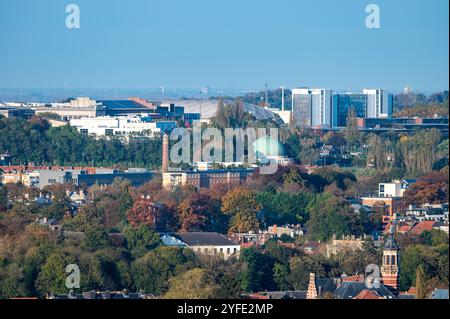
(379,103)
(371,103)
(343,102)
(322,108)
(312,107)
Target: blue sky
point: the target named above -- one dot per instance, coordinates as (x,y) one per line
(238,44)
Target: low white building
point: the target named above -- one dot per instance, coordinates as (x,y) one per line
(395,189)
(212,244)
(115,126)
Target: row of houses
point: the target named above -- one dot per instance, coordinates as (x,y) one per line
(40,177)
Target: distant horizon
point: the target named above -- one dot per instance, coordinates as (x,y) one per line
(56,94)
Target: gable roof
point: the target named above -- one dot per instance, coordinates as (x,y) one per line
(368,294)
(423,226)
(204,239)
(350,290)
(324,285)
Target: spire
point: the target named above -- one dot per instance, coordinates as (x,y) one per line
(391,243)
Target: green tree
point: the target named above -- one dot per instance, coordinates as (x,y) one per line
(52,278)
(95,238)
(141,239)
(421,283)
(280,276)
(351,132)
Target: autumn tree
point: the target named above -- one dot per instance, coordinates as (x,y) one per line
(194,213)
(241,205)
(151,214)
(193,284)
(431,188)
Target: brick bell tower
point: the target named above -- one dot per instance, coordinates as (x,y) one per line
(390,265)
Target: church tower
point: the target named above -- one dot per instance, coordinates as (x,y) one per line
(390,264)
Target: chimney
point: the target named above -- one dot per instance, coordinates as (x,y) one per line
(165,153)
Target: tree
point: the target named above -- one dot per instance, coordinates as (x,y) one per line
(280,276)
(141,239)
(95,238)
(145,212)
(151,273)
(240,203)
(351,132)
(193,284)
(196,213)
(331,216)
(52,278)
(431,188)
(281,208)
(257,274)
(421,283)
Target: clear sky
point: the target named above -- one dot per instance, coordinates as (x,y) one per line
(238,44)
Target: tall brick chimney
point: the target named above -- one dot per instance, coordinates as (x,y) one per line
(165,153)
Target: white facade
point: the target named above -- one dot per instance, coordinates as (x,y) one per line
(312,107)
(213,250)
(321,107)
(378,103)
(109,126)
(395,189)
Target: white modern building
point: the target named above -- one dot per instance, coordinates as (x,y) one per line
(379,103)
(395,189)
(312,107)
(115,126)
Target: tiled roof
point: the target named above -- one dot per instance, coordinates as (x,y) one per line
(368,294)
(423,226)
(359,278)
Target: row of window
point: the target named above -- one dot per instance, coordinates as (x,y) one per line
(216,250)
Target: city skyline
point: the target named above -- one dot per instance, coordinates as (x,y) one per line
(233,46)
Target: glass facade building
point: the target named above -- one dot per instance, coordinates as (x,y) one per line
(344,102)
(320,107)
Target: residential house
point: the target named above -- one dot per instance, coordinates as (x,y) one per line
(213,244)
